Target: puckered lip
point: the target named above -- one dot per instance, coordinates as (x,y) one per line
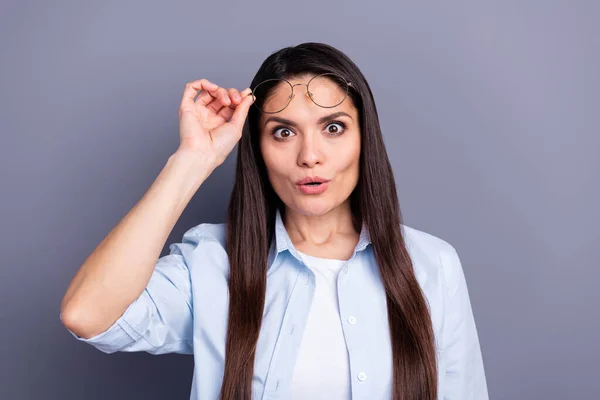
(310,179)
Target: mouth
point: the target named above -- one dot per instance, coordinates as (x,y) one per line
(312,185)
(312,181)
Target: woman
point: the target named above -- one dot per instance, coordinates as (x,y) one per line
(313,288)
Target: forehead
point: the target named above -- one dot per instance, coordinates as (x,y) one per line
(301,105)
(325,81)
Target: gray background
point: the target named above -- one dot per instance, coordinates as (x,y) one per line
(490,115)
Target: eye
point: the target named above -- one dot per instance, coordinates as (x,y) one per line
(338,128)
(334,128)
(285,132)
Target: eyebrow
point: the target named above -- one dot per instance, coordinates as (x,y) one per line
(320,121)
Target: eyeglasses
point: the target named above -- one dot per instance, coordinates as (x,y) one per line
(318,89)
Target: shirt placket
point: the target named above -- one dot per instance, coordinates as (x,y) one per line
(352,318)
(278,381)
(288,342)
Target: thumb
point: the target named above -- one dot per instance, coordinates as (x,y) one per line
(241,112)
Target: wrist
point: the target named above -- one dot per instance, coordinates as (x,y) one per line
(192,165)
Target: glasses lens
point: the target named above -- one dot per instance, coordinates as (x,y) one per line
(279,95)
(328,90)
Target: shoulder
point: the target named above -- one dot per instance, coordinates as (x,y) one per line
(431,254)
(206,233)
(426,243)
(199,238)
(203,251)
(437,268)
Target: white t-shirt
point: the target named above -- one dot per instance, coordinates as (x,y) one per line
(322,370)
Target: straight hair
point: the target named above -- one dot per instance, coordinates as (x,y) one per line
(251,225)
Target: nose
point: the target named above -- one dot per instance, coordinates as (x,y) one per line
(309,154)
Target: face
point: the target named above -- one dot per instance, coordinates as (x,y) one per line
(306,140)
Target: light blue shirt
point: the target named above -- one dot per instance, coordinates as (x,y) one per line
(184,310)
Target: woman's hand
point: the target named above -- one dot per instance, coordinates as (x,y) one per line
(211,126)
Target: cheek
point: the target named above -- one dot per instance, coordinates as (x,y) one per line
(272,161)
(349,158)
(269,156)
(276,162)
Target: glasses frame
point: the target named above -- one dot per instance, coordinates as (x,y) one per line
(308,93)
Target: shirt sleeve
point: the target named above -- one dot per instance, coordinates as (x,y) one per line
(160,320)
(464,371)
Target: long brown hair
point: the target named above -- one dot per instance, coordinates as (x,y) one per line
(251,223)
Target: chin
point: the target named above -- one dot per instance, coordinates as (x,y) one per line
(313,206)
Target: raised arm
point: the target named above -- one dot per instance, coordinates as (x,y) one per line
(119,270)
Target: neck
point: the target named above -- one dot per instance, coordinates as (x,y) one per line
(319,229)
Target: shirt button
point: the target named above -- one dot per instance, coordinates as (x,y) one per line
(362,376)
(351,320)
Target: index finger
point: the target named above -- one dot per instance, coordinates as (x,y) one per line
(191,90)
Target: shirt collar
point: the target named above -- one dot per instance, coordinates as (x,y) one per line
(283,242)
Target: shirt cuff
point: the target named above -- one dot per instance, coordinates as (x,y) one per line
(126,330)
